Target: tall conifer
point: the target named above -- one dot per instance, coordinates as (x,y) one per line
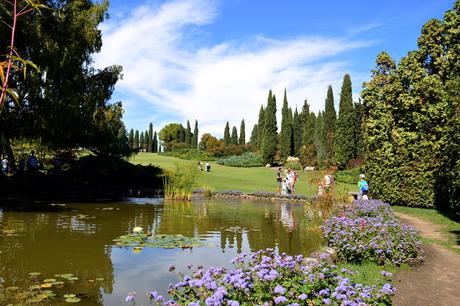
(234,137)
(329,125)
(195,136)
(150,138)
(188,135)
(297,132)
(285,134)
(141,142)
(242,140)
(260,126)
(270,134)
(136,141)
(131,139)
(254,136)
(227,138)
(155,143)
(345,138)
(181,134)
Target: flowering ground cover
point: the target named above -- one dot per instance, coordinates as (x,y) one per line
(265,278)
(370,231)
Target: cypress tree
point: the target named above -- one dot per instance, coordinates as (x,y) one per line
(155,143)
(308,128)
(227,139)
(319,139)
(188,135)
(150,142)
(136,141)
(181,134)
(141,142)
(131,139)
(270,135)
(291,132)
(242,140)
(234,137)
(285,135)
(146,140)
(195,136)
(329,125)
(260,126)
(345,138)
(254,136)
(297,132)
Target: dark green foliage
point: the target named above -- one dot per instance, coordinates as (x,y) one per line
(411,120)
(190,154)
(131,138)
(286,129)
(350,176)
(359,144)
(66,103)
(155,143)
(188,135)
(242,140)
(195,136)
(345,134)
(136,140)
(181,134)
(308,125)
(227,138)
(150,139)
(319,140)
(247,159)
(170,135)
(270,134)
(260,128)
(234,137)
(297,132)
(141,141)
(254,136)
(329,125)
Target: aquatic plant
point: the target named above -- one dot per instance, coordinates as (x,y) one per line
(265,278)
(138,240)
(370,231)
(178,184)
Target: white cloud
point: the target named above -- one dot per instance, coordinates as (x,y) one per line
(227,81)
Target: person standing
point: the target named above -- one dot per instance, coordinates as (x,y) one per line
(363,188)
(279,180)
(32,162)
(5,165)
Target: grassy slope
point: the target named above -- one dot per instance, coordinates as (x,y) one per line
(231,178)
(449,227)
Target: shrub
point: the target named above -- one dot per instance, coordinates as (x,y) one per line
(294,165)
(248,159)
(350,176)
(269,279)
(370,231)
(189,154)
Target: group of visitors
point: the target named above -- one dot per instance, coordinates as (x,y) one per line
(8,166)
(204,167)
(286,181)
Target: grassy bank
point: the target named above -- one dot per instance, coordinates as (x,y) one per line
(243,179)
(449,228)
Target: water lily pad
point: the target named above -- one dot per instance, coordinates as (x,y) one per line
(139,240)
(58,283)
(73,278)
(73,300)
(69,295)
(12,288)
(37,299)
(34,287)
(49,280)
(34,274)
(99,279)
(46,285)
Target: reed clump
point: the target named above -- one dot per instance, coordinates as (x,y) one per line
(178,184)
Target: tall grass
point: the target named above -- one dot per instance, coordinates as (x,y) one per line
(178,184)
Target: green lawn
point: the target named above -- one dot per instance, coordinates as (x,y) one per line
(449,227)
(232,178)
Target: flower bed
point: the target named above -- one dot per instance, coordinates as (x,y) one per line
(370,231)
(265,278)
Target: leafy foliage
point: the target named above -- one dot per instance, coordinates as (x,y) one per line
(411,122)
(270,134)
(247,159)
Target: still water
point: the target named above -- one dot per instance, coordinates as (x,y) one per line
(78,239)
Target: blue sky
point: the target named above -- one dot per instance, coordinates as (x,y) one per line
(216,60)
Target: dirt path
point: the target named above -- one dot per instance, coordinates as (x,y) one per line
(437,281)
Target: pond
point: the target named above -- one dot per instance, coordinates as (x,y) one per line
(49,241)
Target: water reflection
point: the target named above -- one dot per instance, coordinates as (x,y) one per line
(77,238)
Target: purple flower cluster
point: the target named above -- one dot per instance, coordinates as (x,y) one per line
(370,231)
(265,278)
